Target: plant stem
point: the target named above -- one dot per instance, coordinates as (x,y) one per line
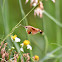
(45,37)
(5,12)
(46,42)
(51,53)
(57,6)
(53,19)
(22,11)
(26,23)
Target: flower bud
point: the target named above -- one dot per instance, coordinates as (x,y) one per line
(12,48)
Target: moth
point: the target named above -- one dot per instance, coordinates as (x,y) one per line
(32,30)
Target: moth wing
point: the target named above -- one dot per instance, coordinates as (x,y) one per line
(28,31)
(34,31)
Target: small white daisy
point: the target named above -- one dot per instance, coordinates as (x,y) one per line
(15,38)
(26,43)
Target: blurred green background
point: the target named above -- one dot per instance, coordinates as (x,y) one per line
(11,14)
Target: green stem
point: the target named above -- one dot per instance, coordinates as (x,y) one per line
(53,19)
(45,37)
(46,42)
(57,6)
(23,14)
(56,44)
(51,53)
(5,12)
(22,11)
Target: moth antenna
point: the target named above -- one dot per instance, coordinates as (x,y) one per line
(20,25)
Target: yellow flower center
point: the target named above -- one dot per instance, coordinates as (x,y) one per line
(26,42)
(13,37)
(36,57)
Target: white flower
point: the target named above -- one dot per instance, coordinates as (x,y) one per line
(34,2)
(41,5)
(22,44)
(17,39)
(53,1)
(27,1)
(29,47)
(25,43)
(21,49)
(38,11)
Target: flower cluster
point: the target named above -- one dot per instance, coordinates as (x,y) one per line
(6,54)
(39,10)
(26,55)
(27,44)
(33,2)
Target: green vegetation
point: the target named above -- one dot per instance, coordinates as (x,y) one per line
(14,14)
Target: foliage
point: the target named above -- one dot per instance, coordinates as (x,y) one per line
(48,45)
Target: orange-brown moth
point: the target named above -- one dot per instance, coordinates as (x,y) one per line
(33,30)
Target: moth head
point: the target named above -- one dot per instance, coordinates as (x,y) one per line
(26,27)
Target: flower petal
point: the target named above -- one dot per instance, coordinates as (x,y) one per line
(34,4)
(53,1)
(32,1)
(21,49)
(22,44)
(11,38)
(17,39)
(29,47)
(27,1)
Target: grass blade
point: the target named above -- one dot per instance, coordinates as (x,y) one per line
(53,19)
(57,6)
(5,12)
